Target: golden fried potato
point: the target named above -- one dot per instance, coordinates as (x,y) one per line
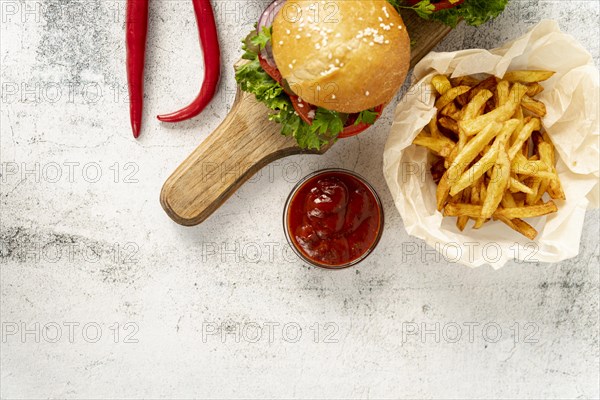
(492,158)
(528,76)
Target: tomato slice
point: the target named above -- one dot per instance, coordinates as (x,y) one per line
(272,71)
(447,4)
(440,5)
(302,108)
(353,130)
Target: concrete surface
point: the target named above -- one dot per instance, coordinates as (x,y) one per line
(103,296)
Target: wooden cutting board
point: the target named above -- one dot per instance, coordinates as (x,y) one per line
(246,141)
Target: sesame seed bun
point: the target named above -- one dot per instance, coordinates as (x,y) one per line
(342,55)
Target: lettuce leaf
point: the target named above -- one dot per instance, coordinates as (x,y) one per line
(367,116)
(473,12)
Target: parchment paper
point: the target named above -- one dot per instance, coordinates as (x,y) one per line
(571,98)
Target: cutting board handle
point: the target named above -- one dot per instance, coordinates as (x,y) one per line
(245,142)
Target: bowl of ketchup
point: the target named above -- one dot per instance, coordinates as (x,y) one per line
(333,218)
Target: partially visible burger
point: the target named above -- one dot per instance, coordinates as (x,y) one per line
(326,68)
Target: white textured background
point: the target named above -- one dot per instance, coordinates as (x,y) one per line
(103,296)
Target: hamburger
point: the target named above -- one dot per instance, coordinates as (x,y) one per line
(326,68)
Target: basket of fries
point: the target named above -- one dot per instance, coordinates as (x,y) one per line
(493,155)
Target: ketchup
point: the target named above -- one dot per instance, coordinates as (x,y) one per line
(334,218)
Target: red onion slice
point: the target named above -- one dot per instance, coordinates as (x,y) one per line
(267,17)
(266,21)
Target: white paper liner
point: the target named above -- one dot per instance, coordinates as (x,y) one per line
(571,98)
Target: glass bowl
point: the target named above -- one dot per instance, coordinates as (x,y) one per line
(313,178)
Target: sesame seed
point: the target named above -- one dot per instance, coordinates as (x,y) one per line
(333,96)
(281,42)
(367,93)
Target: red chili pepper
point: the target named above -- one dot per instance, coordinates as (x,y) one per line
(207,29)
(135,39)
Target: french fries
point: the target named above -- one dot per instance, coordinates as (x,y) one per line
(533,125)
(535,107)
(528,76)
(475,107)
(534,89)
(449,124)
(476,171)
(527,212)
(474,211)
(492,161)
(462,221)
(441,84)
(520,226)
(498,184)
(463,159)
(500,114)
(450,95)
(502,93)
(518,186)
(440,145)
(464,80)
